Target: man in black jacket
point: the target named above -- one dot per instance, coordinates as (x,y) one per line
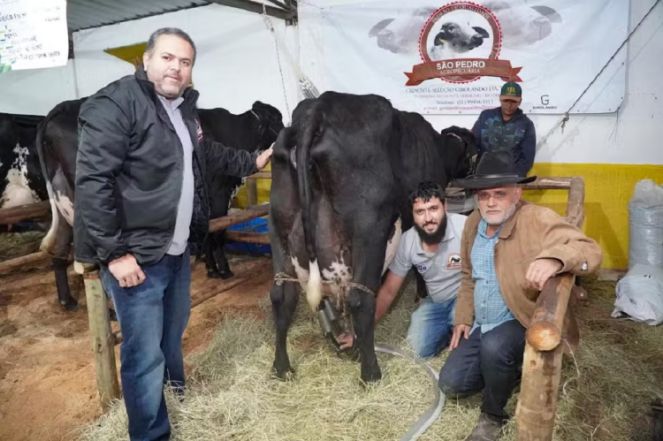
(141,207)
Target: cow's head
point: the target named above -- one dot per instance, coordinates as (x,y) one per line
(461,148)
(270,122)
(460,38)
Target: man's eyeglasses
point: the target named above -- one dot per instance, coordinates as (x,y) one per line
(498,195)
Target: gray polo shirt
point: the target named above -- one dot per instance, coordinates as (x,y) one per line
(185,205)
(440,270)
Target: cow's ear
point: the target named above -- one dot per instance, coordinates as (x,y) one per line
(481,31)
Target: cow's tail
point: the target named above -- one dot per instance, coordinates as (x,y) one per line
(306,138)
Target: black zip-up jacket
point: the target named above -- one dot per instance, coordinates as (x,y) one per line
(129,173)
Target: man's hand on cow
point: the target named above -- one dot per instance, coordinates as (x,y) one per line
(263,158)
(459,331)
(540,271)
(127,271)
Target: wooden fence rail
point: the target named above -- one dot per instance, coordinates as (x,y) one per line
(39,210)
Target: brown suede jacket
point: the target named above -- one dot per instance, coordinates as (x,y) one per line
(533,232)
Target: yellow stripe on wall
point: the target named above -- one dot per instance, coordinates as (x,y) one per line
(608,189)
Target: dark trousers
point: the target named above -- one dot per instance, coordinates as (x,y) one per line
(491,362)
(152,318)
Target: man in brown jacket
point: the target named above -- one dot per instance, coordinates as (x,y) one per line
(509,250)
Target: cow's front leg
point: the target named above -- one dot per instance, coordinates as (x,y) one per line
(362,308)
(284,301)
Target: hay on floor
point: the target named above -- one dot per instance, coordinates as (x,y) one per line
(232,395)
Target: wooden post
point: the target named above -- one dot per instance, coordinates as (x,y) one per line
(103,341)
(252,190)
(542,363)
(537,403)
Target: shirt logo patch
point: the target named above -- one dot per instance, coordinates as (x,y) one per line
(454,261)
(421,268)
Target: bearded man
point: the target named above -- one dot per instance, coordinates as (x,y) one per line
(509,250)
(432,247)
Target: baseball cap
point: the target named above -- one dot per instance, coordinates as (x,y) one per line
(511,89)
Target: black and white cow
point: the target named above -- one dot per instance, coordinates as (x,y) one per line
(253,130)
(57,141)
(341,175)
(21,181)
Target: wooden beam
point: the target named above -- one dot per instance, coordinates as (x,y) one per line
(250,6)
(39,210)
(221,223)
(11,265)
(261,175)
(248,237)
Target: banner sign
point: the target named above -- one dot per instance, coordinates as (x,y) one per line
(453,56)
(33,34)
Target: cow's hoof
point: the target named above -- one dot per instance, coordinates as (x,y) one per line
(283,374)
(215,274)
(371,377)
(69,304)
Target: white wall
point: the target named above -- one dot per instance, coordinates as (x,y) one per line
(36,91)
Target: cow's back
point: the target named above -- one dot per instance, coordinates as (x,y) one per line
(58,139)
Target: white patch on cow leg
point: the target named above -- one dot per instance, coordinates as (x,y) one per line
(65,207)
(300,272)
(314,286)
(392,245)
(48,241)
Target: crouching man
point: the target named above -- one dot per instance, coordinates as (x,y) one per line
(509,249)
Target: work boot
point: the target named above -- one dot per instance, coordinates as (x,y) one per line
(487,429)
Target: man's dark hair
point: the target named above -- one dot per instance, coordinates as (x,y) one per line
(170,31)
(425,191)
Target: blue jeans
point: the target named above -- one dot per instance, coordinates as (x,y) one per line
(491,361)
(431,326)
(152,316)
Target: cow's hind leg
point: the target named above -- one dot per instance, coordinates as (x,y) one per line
(57,243)
(284,302)
(362,307)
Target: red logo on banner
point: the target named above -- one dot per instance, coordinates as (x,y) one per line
(460,43)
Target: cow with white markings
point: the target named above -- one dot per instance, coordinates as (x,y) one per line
(341,177)
(57,142)
(21,181)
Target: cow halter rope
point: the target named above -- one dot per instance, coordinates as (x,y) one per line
(329,317)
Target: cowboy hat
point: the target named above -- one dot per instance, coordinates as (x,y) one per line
(494,169)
